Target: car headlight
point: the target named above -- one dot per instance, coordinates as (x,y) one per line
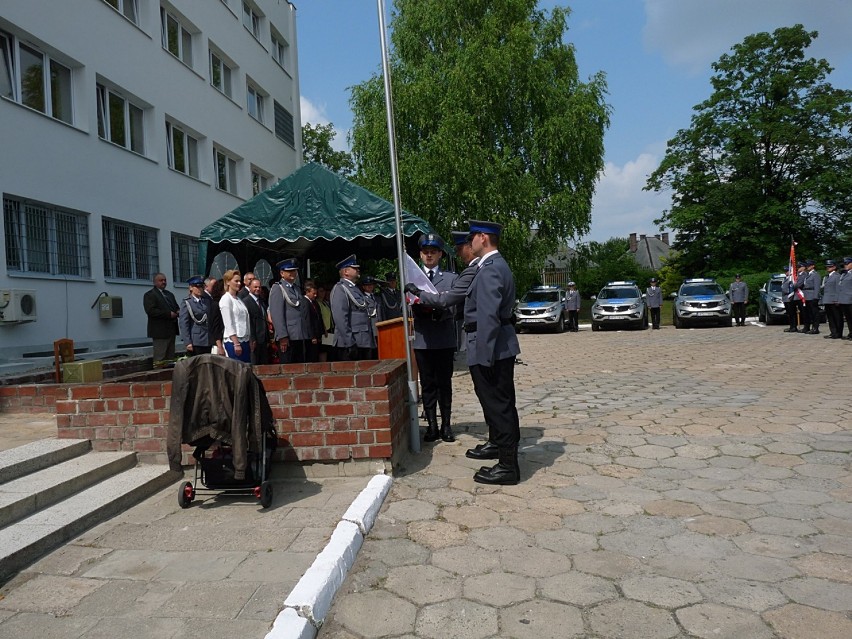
(634,306)
(596,307)
(775,298)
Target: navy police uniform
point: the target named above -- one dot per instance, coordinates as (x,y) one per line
(290,316)
(195,319)
(738,292)
(350,313)
(654,301)
(830,298)
(844,295)
(572,305)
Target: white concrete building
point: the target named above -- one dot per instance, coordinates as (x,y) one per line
(127,126)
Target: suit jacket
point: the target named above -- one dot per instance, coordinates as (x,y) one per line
(290,315)
(488,305)
(317,328)
(434,327)
(350,313)
(158,305)
(257,319)
(196,320)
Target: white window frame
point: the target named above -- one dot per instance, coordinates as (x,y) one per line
(191,145)
(45,239)
(255,102)
(184,257)
(280,49)
(226,74)
(10,79)
(128,8)
(260,180)
(133,120)
(225,170)
(185,39)
(137,259)
(251,19)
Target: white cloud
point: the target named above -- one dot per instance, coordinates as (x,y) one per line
(620,206)
(313,114)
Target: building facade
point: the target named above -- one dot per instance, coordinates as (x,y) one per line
(128,126)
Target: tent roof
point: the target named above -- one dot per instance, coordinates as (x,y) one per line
(305,211)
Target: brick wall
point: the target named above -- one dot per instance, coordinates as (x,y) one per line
(325,412)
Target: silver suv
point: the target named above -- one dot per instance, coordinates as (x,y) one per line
(701,301)
(542,307)
(770,305)
(619,304)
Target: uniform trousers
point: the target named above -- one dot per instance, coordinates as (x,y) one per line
(260,354)
(495,389)
(295,353)
(655,316)
(163,348)
(792,319)
(804,315)
(846,309)
(436,375)
(199,350)
(813,314)
(352,353)
(739,312)
(834,316)
(573,320)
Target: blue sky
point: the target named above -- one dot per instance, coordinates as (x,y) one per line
(656,55)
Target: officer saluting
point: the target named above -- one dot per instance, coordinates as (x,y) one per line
(353,337)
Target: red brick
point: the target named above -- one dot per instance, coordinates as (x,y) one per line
(322,396)
(8,391)
(293,369)
(78,421)
(366,437)
(149,445)
(145,432)
(338,381)
(285,425)
(365,408)
(106,446)
(117,433)
(66,407)
(143,403)
(112,405)
(364,380)
(378,421)
(340,424)
(299,440)
(340,439)
(382,436)
(380,451)
(359,452)
(67,433)
(84,392)
(379,379)
(91,406)
(339,367)
(123,419)
(115,390)
(333,453)
(277,383)
(100,419)
(160,403)
(340,395)
(281,412)
(306,411)
(338,409)
(305,397)
(147,418)
(160,432)
(30,391)
(63,421)
(307,382)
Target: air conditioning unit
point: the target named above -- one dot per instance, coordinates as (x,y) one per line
(17,305)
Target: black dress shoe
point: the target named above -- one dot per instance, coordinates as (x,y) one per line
(499,474)
(813,332)
(447,434)
(431,435)
(483,451)
(791,330)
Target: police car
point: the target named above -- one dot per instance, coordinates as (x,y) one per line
(542,307)
(701,301)
(619,304)
(770,305)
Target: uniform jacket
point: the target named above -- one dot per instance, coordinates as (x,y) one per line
(257,319)
(196,321)
(435,327)
(158,305)
(350,314)
(390,306)
(572,300)
(844,288)
(787,288)
(738,292)
(829,288)
(290,314)
(456,293)
(488,305)
(373,312)
(810,283)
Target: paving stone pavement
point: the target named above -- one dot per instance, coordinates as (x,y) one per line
(676,483)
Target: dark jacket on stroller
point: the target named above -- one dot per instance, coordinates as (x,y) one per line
(215,398)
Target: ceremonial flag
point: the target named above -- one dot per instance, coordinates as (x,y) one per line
(798,294)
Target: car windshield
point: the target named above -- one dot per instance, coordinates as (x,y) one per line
(775,286)
(541,296)
(619,293)
(701,289)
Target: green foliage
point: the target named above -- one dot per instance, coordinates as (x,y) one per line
(766,158)
(492,122)
(597,263)
(316,147)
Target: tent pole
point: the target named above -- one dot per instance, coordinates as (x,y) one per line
(414,426)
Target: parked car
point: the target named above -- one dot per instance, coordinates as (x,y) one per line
(770,305)
(619,304)
(542,307)
(701,301)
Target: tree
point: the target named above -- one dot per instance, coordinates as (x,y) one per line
(316,147)
(767,157)
(597,263)
(492,123)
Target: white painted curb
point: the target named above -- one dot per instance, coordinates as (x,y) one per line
(307,605)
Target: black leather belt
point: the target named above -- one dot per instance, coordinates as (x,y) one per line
(471,327)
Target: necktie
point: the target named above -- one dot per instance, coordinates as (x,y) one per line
(431,275)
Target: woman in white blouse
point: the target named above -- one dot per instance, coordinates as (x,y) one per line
(235,317)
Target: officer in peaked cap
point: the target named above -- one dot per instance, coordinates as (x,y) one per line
(831,300)
(738,294)
(572,305)
(390,299)
(290,314)
(353,336)
(195,318)
(787,293)
(844,294)
(810,284)
(654,301)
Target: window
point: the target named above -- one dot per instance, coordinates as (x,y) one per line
(130,250)
(259,181)
(251,20)
(119,120)
(226,172)
(184,257)
(280,49)
(255,103)
(284,125)
(41,238)
(182,149)
(30,77)
(177,39)
(220,74)
(128,8)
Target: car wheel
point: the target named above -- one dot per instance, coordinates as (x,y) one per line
(595,326)
(728,322)
(678,323)
(560,325)
(761,316)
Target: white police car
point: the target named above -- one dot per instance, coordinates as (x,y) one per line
(619,304)
(701,301)
(770,305)
(542,307)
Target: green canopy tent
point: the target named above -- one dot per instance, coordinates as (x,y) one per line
(311,214)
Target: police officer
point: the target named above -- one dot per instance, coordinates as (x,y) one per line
(368,288)
(799,298)
(810,284)
(572,305)
(844,295)
(290,314)
(492,347)
(458,291)
(738,292)
(195,319)
(787,293)
(350,313)
(831,300)
(654,301)
(390,299)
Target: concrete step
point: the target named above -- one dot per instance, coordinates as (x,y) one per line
(36,455)
(25,495)
(28,539)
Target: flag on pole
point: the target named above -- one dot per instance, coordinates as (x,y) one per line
(797,292)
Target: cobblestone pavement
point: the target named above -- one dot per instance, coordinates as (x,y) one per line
(676,483)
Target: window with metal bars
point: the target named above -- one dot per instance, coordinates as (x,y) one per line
(130,250)
(42,238)
(184,257)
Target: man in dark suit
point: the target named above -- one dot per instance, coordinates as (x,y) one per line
(492,347)
(257,323)
(162,310)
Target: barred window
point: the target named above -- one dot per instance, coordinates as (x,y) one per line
(284,125)
(184,257)
(42,238)
(130,250)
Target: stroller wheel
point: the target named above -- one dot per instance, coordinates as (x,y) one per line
(186,494)
(266,494)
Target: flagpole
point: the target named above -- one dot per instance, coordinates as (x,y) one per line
(414,426)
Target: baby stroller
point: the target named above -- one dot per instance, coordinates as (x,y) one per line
(219,406)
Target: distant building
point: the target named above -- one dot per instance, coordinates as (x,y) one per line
(127,126)
(649,251)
